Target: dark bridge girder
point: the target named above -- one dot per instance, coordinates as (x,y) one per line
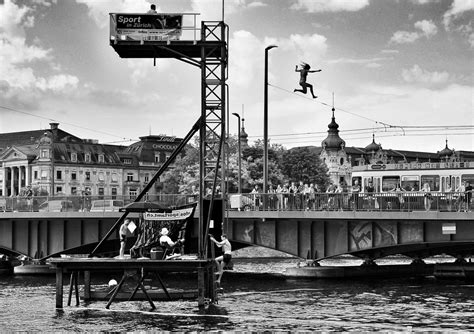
(365,235)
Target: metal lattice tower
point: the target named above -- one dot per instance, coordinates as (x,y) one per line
(213,109)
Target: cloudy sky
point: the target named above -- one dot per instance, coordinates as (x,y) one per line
(401,69)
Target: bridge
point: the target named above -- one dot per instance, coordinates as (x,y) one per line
(303,232)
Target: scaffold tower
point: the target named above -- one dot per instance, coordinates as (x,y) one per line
(210,54)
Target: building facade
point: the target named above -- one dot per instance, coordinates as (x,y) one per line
(341,159)
(54,162)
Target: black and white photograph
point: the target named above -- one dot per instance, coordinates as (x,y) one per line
(236,165)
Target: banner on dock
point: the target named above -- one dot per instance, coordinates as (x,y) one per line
(173,215)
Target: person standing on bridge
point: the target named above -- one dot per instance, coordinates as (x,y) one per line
(224,259)
(427,196)
(305,69)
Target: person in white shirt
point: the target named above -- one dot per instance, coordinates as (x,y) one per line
(165,240)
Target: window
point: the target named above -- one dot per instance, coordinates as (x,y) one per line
(411,183)
(101,176)
(59,189)
(114,193)
(342,161)
(101,158)
(157,158)
(88,176)
(44,154)
(114,177)
(127,161)
(147,178)
(59,175)
(432,180)
(129,176)
(87,157)
(132,193)
(74,157)
(73,191)
(44,174)
(73,175)
(162,157)
(101,192)
(468,177)
(389,183)
(35,175)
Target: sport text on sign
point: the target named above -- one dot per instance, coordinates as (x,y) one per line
(173,215)
(146,27)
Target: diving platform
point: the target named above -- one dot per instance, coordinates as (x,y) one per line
(164,49)
(136,271)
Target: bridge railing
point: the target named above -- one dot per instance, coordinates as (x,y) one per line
(64,203)
(407,201)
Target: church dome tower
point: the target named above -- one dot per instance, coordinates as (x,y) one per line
(334,155)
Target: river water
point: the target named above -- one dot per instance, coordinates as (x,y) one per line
(253,301)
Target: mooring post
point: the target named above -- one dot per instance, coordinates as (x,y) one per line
(76,286)
(201,286)
(87,285)
(59,287)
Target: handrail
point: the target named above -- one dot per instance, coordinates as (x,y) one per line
(387,201)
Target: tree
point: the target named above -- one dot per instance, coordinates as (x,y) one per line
(304,164)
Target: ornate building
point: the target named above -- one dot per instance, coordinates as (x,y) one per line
(55,162)
(334,155)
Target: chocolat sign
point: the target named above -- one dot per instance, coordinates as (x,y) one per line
(148,27)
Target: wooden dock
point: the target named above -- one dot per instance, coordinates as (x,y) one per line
(135,270)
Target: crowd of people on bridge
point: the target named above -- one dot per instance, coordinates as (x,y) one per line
(300,196)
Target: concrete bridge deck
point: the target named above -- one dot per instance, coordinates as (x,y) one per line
(313,234)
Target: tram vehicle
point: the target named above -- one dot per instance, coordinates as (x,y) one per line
(443,179)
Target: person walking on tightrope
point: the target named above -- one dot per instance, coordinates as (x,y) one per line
(223,259)
(305,69)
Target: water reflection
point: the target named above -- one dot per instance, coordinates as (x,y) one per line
(255,303)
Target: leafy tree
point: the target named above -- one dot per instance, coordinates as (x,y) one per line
(304,164)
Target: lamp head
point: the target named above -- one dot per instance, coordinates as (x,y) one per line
(271,47)
(235,114)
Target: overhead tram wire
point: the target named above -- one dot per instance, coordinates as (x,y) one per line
(384,125)
(77,126)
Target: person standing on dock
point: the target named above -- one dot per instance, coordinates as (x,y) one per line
(124,233)
(226,257)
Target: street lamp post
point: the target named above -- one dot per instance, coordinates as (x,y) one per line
(265,124)
(240,154)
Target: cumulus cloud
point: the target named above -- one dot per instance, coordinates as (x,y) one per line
(423,2)
(417,75)
(459,19)
(99,10)
(247,53)
(425,29)
(319,6)
(58,82)
(428,28)
(22,85)
(367,62)
(458,8)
